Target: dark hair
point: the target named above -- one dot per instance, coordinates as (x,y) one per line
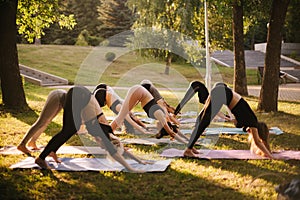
(163,131)
(263,132)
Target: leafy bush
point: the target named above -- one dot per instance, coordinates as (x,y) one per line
(110,56)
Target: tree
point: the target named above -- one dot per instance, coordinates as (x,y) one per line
(115,18)
(86,16)
(240,79)
(165,17)
(268,99)
(34,16)
(13,95)
(31,15)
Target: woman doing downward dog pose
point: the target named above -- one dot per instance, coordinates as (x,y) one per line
(195,87)
(105,95)
(201,90)
(82,106)
(244,116)
(138,94)
(54,104)
(160,100)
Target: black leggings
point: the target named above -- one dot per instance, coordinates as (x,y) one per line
(195,87)
(71,124)
(219,96)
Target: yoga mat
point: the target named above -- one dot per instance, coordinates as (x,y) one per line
(188,114)
(148,141)
(187,120)
(231,154)
(9,150)
(92,164)
(154,141)
(228,130)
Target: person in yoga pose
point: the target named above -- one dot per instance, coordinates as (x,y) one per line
(195,87)
(81,106)
(201,90)
(169,110)
(105,95)
(159,99)
(138,94)
(244,117)
(54,104)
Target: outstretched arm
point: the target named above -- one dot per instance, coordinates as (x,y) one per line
(118,157)
(257,145)
(130,155)
(135,125)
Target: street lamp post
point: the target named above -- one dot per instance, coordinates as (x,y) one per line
(208,62)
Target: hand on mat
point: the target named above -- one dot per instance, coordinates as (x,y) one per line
(134,170)
(54,156)
(146,162)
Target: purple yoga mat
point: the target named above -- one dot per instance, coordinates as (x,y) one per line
(232,154)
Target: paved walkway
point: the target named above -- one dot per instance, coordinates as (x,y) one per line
(287,92)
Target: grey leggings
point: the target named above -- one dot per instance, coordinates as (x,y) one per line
(53,105)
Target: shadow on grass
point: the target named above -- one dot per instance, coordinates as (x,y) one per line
(39,184)
(262,169)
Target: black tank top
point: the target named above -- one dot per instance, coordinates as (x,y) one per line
(100,94)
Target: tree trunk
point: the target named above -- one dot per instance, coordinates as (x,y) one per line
(240,79)
(168,64)
(13,95)
(268,99)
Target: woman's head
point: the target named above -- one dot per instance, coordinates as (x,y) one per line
(263,132)
(163,131)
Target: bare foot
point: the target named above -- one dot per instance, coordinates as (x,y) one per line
(189,153)
(42,163)
(195,151)
(33,145)
(54,156)
(24,149)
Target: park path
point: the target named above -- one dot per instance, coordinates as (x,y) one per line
(287,92)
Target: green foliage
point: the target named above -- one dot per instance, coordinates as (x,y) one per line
(292,28)
(115,17)
(82,38)
(85,39)
(34,16)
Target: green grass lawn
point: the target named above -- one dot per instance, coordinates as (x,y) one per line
(184,179)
